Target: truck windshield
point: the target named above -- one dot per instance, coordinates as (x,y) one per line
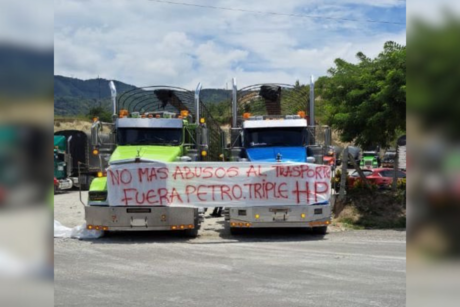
(369,155)
(149,136)
(266,137)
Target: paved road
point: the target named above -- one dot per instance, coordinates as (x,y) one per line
(275,268)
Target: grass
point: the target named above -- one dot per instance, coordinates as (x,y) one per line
(380,210)
(82,124)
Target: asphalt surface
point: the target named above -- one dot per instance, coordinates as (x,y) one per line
(258,268)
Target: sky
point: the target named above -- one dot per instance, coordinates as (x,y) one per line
(144,42)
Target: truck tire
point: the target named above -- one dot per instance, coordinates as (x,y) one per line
(86,186)
(234,231)
(192,233)
(320,230)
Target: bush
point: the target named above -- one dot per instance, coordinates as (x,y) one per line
(401,184)
(100,112)
(380,209)
(360,185)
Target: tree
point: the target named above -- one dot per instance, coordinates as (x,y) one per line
(433,71)
(100,112)
(366,102)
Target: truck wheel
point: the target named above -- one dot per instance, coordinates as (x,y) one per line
(86,186)
(235,231)
(320,230)
(192,233)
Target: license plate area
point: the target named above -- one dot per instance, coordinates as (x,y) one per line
(138,222)
(279,214)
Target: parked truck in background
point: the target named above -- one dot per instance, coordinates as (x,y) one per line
(276,137)
(62,164)
(76,163)
(369,160)
(152,124)
(332,156)
(389,158)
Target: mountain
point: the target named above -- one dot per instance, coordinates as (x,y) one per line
(25,72)
(74,96)
(89,89)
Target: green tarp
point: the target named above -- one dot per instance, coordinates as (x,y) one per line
(60,142)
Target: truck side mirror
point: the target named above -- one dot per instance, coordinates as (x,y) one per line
(95,133)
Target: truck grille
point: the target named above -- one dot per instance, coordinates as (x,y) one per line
(138,210)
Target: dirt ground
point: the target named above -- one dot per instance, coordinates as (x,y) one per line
(267,268)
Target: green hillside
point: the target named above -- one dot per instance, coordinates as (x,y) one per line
(74,97)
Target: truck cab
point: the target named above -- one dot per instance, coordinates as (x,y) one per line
(370,159)
(146,129)
(275,138)
(62,164)
(267,139)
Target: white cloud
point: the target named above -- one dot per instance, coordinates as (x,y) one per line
(432,11)
(147,43)
(27,22)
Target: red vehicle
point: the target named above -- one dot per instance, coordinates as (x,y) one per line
(382,177)
(329,159)
(2,195)
(56,185)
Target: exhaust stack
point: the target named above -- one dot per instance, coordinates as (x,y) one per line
(197,102)
(113,92)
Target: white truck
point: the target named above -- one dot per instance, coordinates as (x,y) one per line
(274,137)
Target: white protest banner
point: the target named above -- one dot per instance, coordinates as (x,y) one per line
(214,184)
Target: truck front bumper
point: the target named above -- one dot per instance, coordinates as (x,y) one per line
(241,224)
(140,218)
(65,184)
(280,217)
